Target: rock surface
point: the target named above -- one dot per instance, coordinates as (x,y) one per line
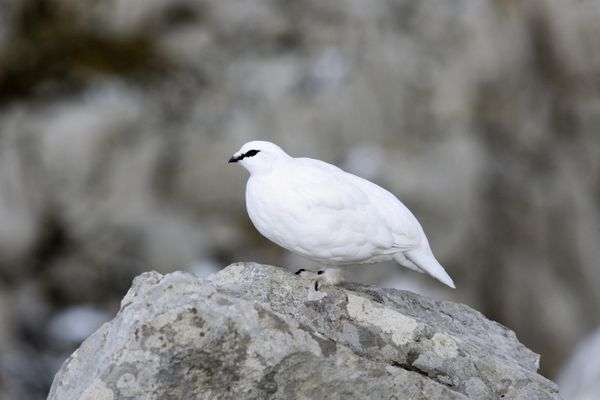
(256,331)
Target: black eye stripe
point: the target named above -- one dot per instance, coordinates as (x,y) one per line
(250,153)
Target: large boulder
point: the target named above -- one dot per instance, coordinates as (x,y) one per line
(255,331)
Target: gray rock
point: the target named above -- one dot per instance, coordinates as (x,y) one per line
(256,331)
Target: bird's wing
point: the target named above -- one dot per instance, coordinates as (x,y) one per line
(403,225)
(364,208)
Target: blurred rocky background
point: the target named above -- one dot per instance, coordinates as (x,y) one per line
(117,118)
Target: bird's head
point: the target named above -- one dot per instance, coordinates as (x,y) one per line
(258,156)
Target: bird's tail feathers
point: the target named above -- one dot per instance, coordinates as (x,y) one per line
(426,261)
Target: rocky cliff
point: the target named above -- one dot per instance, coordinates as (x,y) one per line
(256,331)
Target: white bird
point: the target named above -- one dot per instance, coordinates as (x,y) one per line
(323,213)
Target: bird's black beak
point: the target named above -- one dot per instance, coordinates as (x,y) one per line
(233,159)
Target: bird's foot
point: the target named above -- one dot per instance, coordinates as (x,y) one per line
(322,278)
(328,277)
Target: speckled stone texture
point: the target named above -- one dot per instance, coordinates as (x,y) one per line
(256,331)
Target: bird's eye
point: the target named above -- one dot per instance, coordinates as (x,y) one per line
(251,153)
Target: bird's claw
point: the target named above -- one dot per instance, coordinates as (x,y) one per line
(323,277)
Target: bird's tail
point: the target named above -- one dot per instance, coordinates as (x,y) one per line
(425,260)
